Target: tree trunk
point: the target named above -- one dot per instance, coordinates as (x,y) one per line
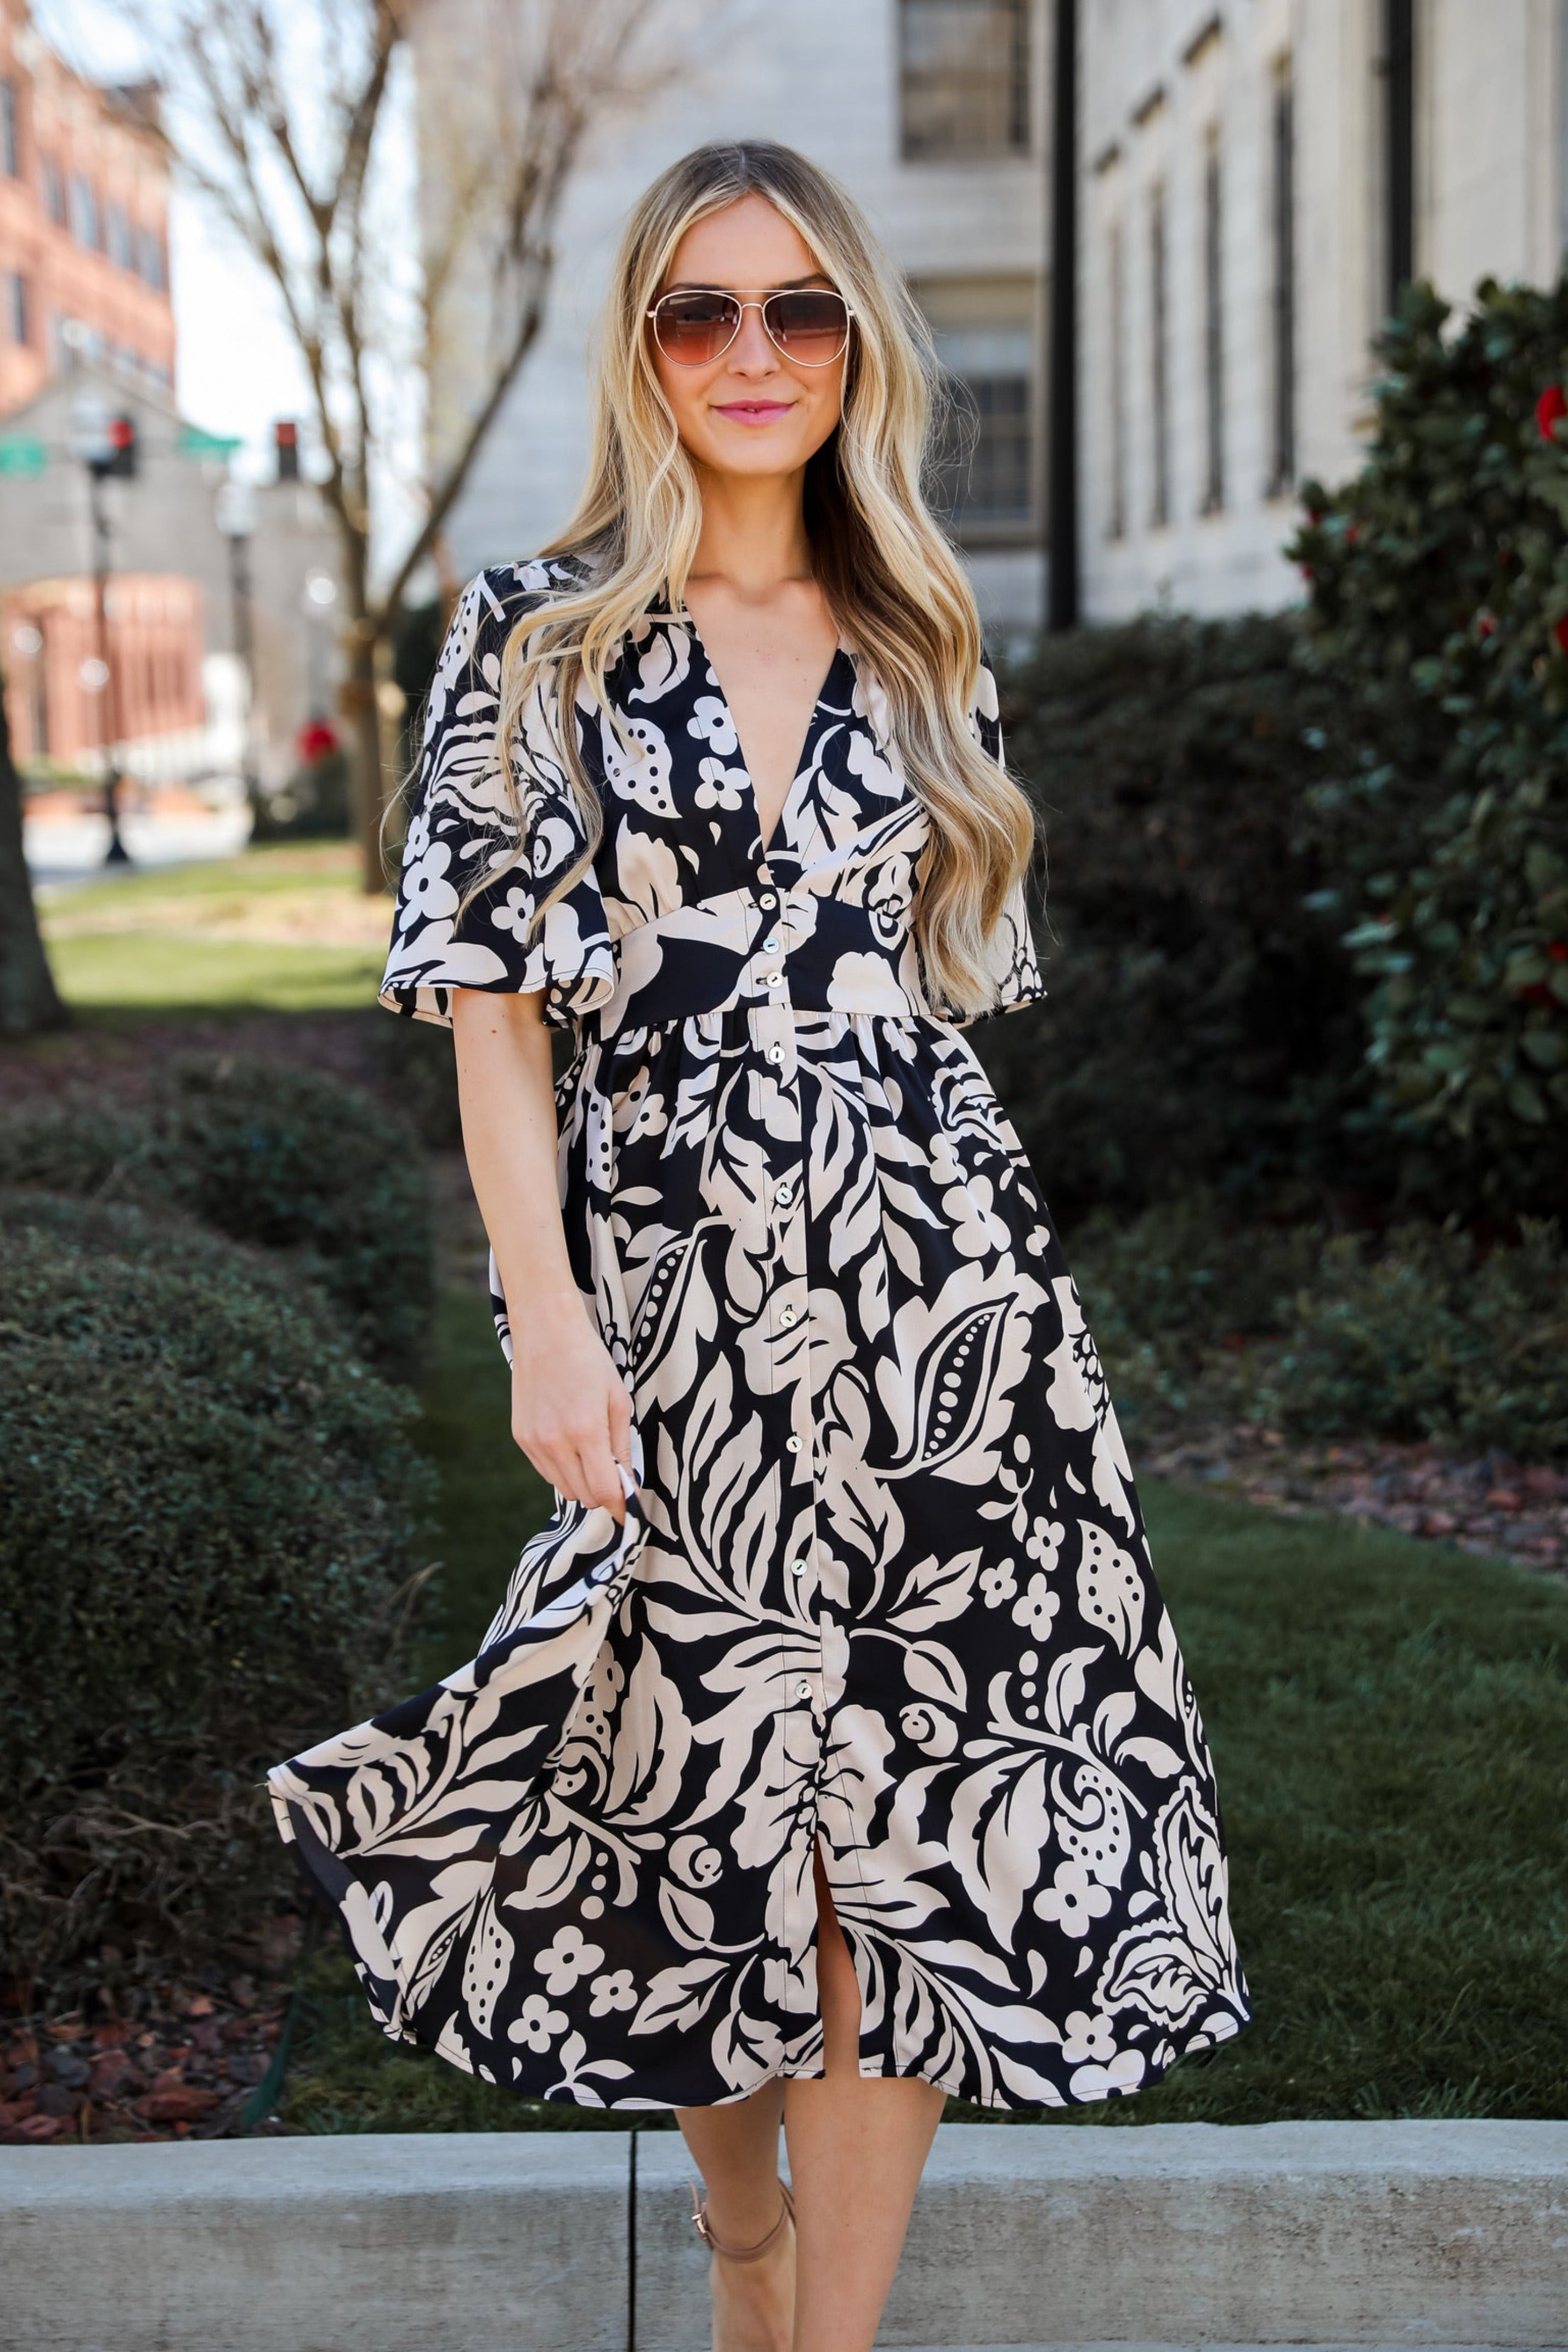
(362,721)
(28,1001)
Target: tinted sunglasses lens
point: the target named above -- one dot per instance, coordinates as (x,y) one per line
(695,328)
(812,326)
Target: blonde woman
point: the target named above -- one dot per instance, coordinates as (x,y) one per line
(831,1752)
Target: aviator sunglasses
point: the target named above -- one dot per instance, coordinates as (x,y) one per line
(696,324)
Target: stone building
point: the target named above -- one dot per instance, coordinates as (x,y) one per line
(1256,181)
(931,113)
(84,213)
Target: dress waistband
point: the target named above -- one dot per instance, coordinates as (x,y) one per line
(810,954)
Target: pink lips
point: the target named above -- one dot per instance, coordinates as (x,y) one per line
(754,411)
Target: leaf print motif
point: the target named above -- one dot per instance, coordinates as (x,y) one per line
(1110,1591)
(882,1593)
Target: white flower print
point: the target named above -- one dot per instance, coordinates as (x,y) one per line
(1044,1542)
(427,895)
(710,722)
(1088,2037)
(537,2024)
(721,787)
(882,1591)
(1036,1608)
(569,1957)
(618,1990)
(1073,1900)
(997,1583)
(515,913)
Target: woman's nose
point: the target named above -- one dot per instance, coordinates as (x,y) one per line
(752,351)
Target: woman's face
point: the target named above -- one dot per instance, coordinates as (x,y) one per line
(753,410)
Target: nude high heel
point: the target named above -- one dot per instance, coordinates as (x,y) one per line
(704,2229)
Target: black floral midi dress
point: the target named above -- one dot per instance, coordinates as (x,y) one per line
(883,1588)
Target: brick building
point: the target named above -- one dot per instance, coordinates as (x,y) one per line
(84,223)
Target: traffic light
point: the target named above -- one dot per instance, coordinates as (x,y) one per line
(120,457)
(286,440)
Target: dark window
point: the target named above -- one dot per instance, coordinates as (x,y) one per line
(1159,362)
(85,226)
(10,131)
(1283,470)
(1116,344)
(1213,336)
(18,308)
(54,192)
(963,77)
(986,458)
(151,260)
(118,236)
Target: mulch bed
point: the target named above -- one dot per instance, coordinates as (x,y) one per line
(1509,1509)
(181,2061)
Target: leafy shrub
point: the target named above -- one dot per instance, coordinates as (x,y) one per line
(209,1509)
(1173,1296)
(1439,586)
(1418,1340)
(266,1153)
(1202,1023)
(1418,1335)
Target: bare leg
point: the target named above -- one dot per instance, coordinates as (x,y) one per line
(736,2150)
(857,2147)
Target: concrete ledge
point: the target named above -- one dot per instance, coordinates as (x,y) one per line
(469,2242)
(1439,2234)
(1154,2236)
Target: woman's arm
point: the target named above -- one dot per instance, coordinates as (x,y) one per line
(571,1411)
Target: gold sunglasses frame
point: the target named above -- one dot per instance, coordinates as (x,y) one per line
(767,293)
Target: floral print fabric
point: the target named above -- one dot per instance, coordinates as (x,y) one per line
(883,1586)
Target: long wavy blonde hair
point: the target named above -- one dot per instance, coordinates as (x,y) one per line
(892,580)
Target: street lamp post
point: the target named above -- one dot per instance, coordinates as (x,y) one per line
(106,446)
(235,511)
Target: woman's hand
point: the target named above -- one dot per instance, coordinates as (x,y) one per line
(571,1413)
(572,1410)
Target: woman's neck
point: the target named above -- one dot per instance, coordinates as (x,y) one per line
(754,532)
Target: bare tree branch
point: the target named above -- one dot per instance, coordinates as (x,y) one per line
(277,117)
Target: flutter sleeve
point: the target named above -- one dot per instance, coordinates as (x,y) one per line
(1011,956)
(463,826)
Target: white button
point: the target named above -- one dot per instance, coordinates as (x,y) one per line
(797,1567)
(784,1193)
(794,1445)
(774,979)
(766,899)
(787,1315)
(803,1690)
(770,942)
(775,1052)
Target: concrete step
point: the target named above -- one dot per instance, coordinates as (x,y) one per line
(1452,2234)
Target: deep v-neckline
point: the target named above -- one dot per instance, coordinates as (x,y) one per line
(777,838)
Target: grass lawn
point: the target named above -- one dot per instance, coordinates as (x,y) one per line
(1390,1726)
(285,927)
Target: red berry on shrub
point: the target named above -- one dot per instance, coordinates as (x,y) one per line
(1486,625)
(1551,404)
(1558,951)
(1536,994)
(1560,631)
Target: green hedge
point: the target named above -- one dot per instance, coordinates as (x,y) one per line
(286,1158)
(1418,1333)
(210,1515)
(1202,1023)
